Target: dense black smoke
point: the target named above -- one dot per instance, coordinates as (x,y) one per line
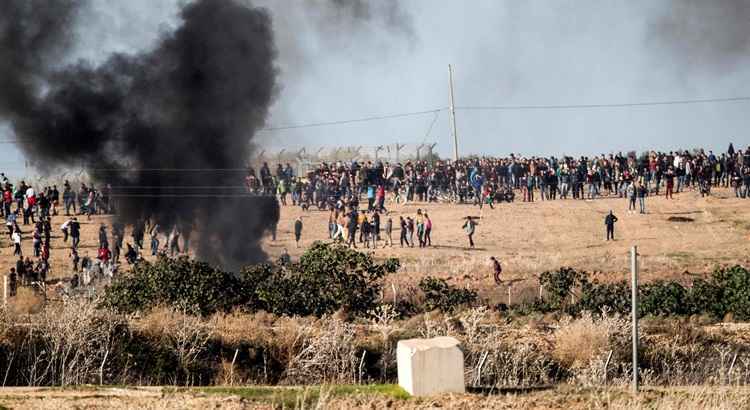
(170,129)
(713,34)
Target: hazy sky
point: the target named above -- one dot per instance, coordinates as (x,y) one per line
(505,53)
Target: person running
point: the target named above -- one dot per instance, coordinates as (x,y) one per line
(470,227)
(497,270)
(298,230)
(609,222)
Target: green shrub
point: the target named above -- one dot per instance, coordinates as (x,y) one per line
(440,295)
(733,294)
(596,296)
(706,297)
(172,281)
(662,298)
(558,286)
(327,278)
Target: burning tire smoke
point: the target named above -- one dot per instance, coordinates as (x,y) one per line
(170,129)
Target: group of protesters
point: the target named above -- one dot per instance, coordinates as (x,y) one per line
(349,225)
(339,187)
(357,195)
(23,205)
(482,181)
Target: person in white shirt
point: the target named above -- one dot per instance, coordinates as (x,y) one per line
(64,229)
(16,238)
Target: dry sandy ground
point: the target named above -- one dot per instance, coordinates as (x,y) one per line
(561,397)
(529,238)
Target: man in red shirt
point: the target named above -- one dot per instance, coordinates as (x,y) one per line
(104,255)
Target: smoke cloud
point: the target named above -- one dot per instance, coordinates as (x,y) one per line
(170,128)
(704,34)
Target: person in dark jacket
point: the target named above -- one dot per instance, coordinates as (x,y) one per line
(297,230)
(497,270)
(75,232)
(609,221)
(403,237)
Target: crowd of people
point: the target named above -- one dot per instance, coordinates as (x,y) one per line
(23,205)
(483,181)
(341,189)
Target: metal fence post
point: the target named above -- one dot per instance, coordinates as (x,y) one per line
(634,303)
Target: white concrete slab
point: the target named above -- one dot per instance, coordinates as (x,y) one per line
(429,367)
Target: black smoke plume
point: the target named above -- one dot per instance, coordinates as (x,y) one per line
(169,129)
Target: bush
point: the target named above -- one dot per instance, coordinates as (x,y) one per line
(327,278)
(734,292)
(597,296)
(558,286)
(663,298)
(174,281)
(440,295)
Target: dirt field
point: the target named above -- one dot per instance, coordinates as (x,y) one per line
(562,397)
(529,238)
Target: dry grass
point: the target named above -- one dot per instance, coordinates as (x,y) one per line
(579,341)
(26,301)
(375,397)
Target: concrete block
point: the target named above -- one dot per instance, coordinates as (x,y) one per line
(430,366)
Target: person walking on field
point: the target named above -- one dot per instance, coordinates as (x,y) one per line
(609,221)
(470,227)
(388,232)
(16,237)
(427,230)
(497,270)
(403,238)
(298,230)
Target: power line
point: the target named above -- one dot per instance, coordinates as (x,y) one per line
(487,108)
(613,105)
(341,122)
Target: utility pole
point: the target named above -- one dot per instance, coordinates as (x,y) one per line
(453,114)
(634,304)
